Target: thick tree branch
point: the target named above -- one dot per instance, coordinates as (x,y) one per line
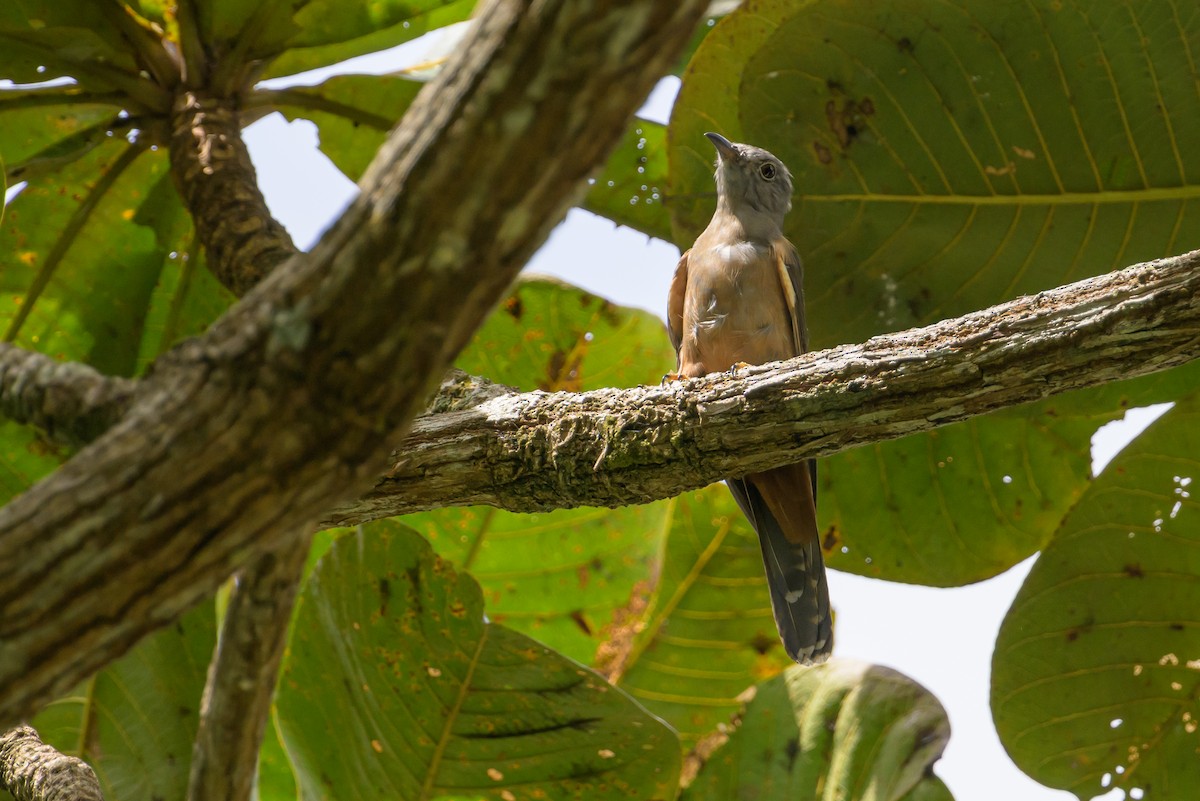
(32,771)
(72,403)
(538,451)
(285,408)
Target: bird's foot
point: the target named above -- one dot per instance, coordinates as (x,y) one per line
(733,368)
(670,378)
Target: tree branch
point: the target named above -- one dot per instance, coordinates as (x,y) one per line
(215,177)
(539,451)
(32,771)
(285,408)
(72,403)
(242,676)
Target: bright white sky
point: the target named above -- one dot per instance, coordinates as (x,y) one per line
(943,638)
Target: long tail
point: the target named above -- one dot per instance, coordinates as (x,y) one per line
(781,506)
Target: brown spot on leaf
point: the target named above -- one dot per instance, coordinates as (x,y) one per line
(1134,570)
(761,643)
(904,45)
(823,154)
(514,306)
(581,621)
(627,622)
(848,119)
(832,538)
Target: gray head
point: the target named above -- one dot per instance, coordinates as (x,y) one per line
(751,181)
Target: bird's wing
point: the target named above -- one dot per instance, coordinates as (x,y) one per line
(675,301)
(791,280)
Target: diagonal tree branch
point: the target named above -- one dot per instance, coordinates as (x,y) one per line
(539,451)
(286,406)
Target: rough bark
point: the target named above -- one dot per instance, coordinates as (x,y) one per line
(71,403)
(32,771)
(539,451)
(214,175)
(288,405)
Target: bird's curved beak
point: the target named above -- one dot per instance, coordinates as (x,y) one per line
(725,148)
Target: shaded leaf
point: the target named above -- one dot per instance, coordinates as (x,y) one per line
(1096,671)
(36,135)
(276,781)
(705,632)
(391,657)
(134,722)
(841,730)
(45,39)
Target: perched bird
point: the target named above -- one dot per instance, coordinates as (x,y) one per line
(737,297)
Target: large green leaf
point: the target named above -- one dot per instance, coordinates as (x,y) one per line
(134,721)
(553,336)
(703,632)
(1096,674)
(353,114)
(45,128)
(560,577)
(947,156)
(842,730)
(395,687)
(959,504)
(86,303)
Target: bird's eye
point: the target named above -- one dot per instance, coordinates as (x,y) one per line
(767,170)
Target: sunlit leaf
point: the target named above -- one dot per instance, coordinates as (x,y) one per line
(560,577)
(1096,673)
(631,189)
(552,336)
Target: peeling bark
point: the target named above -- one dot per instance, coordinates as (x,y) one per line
(539,451)
(288,405)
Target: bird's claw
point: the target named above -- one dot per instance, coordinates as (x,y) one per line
(670,378)
(733,368)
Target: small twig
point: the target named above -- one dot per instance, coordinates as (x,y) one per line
(241,678)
